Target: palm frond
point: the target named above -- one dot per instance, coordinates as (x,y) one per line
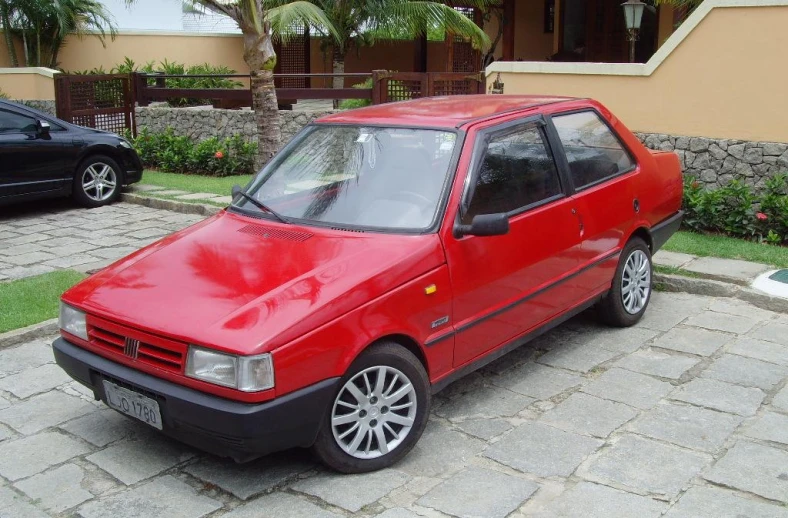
(286,19)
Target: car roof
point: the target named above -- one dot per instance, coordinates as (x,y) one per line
(441,112)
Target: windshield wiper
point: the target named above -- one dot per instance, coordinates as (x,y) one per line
(260,205)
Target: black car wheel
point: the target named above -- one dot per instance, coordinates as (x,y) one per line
(98,181)
(628,298)
(378,413)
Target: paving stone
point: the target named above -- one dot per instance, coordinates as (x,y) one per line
(590,500)
(21,272)
(781,399)
(197,196)
(537,381)
(115,252)
(484,402)
(631,388)
(694,341)
(170,192)
(625,340)
(767,351)
(164,497)
(27,456)
(35,228)
(688,426)
(58,489)
(439,451)
(726,268)
(542,450)
(34,381)
(72,260)
(477,492)
(754,468)
(769,427)
(645,465)
(720,396)
(484,429)
(589,415)
(253,478)
(30,238)
(43,411)
(29,258)
(672,259)
(133,461)
(398,513)
(772,332)
(749,372)
(665,312)
(146,187)
(26,356)
(148,233)
(279,505)
(702,502)
(222,199)
(5,433)
(352,492)
(103,427)
(737,307)
(657,363)
(577,357)
(722,322)
(23,249)
(13,505)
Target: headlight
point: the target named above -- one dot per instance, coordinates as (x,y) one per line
(245,373)
(73,321)
(125,143)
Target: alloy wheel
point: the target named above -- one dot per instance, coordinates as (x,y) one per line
(636,282)
(99,181)
(374,412)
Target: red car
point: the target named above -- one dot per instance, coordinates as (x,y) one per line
(382,254)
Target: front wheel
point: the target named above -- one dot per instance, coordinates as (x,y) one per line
(629,295)
(97,182)
(378,413)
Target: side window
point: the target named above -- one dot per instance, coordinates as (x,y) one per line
(517,171)
(11,122)
(592,150)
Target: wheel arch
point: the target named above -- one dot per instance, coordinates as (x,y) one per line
(643,233)
(405,341)
(96,150)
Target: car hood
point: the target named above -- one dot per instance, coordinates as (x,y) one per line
(248,286)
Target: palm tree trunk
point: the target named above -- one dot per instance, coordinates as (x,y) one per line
(9,39)
(260,56)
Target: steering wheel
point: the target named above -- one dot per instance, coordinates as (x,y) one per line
(420,199)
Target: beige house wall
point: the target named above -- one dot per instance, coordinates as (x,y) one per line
(28,83)
(721,74)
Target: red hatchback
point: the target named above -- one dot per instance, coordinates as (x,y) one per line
(381,255)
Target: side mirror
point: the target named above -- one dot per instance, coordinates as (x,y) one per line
(43,128)
(485,225)
(236,190)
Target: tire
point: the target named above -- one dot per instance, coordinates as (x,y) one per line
(102,169)
(621,307)
(354,444)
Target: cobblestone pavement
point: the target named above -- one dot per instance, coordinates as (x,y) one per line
(46,236)
(684,415)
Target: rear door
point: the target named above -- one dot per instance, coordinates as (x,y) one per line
(505,285)
(31,162)
(602,175)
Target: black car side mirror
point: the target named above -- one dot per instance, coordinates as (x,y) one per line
(43,128)
(485,225)
(236,190)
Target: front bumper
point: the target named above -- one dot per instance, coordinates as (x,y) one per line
(132,166)
(241,431)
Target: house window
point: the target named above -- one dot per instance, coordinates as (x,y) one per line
(549,16)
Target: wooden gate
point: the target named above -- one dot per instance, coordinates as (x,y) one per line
(402,86)
(103,102)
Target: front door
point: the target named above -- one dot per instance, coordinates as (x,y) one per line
(505,285)
(31,162)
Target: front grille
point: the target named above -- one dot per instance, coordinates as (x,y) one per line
(136,346)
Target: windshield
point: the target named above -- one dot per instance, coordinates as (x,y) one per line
(387,178)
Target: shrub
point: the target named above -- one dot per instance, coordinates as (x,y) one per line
(2,94)
(736,211)
(179,154)
(349,104)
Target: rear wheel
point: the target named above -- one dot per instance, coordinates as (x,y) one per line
(97,182)
(378,413)
(630,292)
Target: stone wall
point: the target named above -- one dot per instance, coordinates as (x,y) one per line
(715,162)
(202,123)
(44,106)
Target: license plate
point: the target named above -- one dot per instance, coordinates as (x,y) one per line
(130,403)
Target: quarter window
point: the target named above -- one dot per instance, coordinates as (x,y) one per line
(11,122)
(593,151)
(517,171)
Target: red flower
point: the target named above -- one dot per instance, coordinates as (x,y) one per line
(761,216)
(218,154)
(695,185)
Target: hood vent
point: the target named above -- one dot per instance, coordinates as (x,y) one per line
(275,233)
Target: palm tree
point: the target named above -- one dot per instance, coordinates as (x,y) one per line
(259,20)
(363,21)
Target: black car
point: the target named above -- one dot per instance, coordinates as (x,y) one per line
(44,157)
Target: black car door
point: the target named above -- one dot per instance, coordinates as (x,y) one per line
(31,160)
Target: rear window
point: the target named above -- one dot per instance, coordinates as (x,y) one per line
(593,151)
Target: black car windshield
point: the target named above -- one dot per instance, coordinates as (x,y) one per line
(385,178)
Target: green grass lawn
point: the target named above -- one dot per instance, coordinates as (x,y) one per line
(28,301)
(195,183)
(728,248)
